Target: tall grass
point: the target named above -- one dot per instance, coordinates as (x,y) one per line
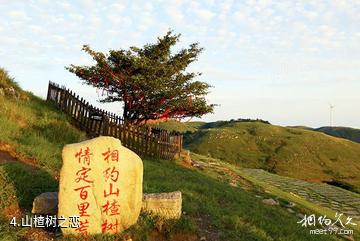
(35,128)
(6,81)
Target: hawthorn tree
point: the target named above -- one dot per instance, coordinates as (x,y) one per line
(151,81)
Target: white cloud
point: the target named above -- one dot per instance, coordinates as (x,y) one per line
(118,7)
(64,5)
(18,15)
(59,39)
(94,22)
(239,16)
(37,29)
(224,9)
(112,32)
(8,40)
(56,19)
(173,10)
(310,14)
(148,7)
(204,14)
(120,20)
(76,17)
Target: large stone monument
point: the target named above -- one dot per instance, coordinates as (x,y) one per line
(100,181)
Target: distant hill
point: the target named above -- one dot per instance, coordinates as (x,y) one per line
(342,132)
(348,133)
(293,152)
(193,126)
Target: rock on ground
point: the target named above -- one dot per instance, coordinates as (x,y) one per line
(46,203)
(270,201)
(164,205)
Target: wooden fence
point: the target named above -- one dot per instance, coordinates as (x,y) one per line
(95,122)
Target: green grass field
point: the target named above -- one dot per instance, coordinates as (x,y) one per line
(212,208)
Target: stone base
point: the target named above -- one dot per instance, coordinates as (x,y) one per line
(46,203)
(164,205)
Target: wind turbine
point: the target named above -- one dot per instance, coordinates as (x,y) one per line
(331,113)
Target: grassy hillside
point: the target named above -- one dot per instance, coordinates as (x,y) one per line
(32,134)
(36,130)
(293,152)
(342,132)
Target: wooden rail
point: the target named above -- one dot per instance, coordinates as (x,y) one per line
(144,141)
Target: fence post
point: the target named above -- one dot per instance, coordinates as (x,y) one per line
(105,125)
(58,97)
(48,93)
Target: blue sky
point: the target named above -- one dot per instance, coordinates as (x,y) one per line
(282,61)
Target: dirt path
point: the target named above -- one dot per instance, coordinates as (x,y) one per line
(6,157)
(8,154)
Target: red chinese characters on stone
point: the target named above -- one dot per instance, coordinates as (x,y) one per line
(111,173)
(83,209)
(112,208)
(111,192)
(113,227)
(113,155)
(82,175)
(84,156)
(83,192)
(83,226)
